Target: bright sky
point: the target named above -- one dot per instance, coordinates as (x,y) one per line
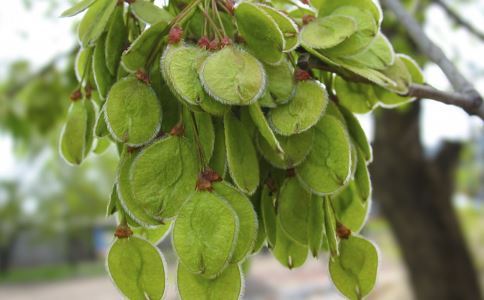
(33,36)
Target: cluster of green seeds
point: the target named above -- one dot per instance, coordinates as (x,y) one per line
(235,127)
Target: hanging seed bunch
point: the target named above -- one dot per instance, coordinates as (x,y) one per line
(236,130)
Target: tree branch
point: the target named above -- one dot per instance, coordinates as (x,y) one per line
(459,20)
(466,91)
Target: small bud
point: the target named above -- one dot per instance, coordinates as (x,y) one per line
(88,90)
(301,75)
(271,185)
(122,232)
(306,2)
(225,42)
(214,45)
(76,95)
(211,175)
(177,130)
(203,42)
(342,231)
(308,19)
(142,76)
(230,5)
(175,35)
(203,184)
(290,172)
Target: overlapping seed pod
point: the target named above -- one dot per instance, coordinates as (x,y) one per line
(235,128)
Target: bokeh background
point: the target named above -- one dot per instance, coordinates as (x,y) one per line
(53,233)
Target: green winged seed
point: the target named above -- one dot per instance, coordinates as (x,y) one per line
(354,271)
(126,198)
(378,56)
(205,234)
(327,168)
(133,112)
(137,268)
(400,75)
(362,177)
(327,7)
(287,26)
(149,13)
(295,148)
(268,212)
(179,66)
(247,219)
(101,128)
(102,76)
(241,155)
(154,235)
(136,57)
(265,130)
(327,32)
(390,99)
(330,226)
(289,253)
(91,123)
(334,110)
(316,225)
(227,286)
(302,112)
(218,162)
(102,144)
(199,128)
(261,232)
(233,76)
(83,60)
(73,137)
(95,21)
(357,134)
(280,82)
(113,202)
(116,40)
(350,209)
(164,175)
(77,8)
(356,97)
(367,30)
(261,32)
(294,203)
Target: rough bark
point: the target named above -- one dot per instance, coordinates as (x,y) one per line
(414,193)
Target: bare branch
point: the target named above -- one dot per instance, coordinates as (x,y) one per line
(460,84)
(457,99)
(459,20)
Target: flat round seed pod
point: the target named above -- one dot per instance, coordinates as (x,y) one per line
(91,123)
(116,40)
(327,32)
(241,155)
(260,32)
(218,162)
(294,203)
(264,129)
(295,148)
(94,22)
(136,56)
(247,219)
(268,212)
(73,137)
(367,30)
(327,168)
(375,76)
(150,13)
(130,205)
(287,26)
(357,134)
(137,268)
(227,286)
(82,61)
(154,235)
(77,8)
(350,209)
(362,177)
(233,76)
(354,271)
(205,234)
(302,112)
(212,106)
(179,66)
(390,99)
(335,110)
(164,175)
(316,225)
(356,97)
(330,227)
(378,56)
(201,131)
(289,253)
(327,7)
(102,77)
(267,101)
(280,82)
(133,112)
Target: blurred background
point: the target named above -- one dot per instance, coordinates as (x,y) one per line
(428,174)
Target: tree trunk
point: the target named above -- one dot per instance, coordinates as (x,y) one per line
(415,193)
